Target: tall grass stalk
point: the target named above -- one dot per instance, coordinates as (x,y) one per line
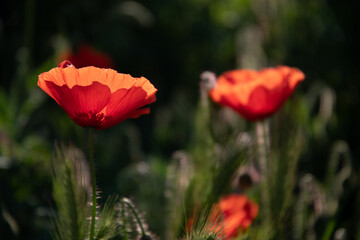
(70,194)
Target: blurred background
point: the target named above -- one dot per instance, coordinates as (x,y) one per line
(170,43)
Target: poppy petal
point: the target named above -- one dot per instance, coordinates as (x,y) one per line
(139,112)
(125,103)
(82,103)
(126,81)
(95,97)
(256,94)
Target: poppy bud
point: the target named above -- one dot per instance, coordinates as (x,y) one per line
(245,182)
(208,80)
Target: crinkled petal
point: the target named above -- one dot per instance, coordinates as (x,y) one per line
(71,77)
(82,103)
(97,97)
(126,103)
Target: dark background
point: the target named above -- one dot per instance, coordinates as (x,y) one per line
(170,43)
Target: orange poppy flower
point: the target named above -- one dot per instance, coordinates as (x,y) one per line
(96,97)
(238,212)
(232,215)
(86,56)
(256,94)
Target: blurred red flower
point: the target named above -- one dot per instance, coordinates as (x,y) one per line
(232,215)
(86,56)
(238,212)
(96,97)
(256,94)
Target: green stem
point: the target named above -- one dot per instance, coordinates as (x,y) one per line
(133,210)
(93,182)
(263,142)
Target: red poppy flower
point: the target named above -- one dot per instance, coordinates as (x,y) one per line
(88,56)
(256,94)
(238,212)
(232,215)
(96,97)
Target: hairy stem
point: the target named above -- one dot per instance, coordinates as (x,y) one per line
(133,210)
(93,182)
(123,221)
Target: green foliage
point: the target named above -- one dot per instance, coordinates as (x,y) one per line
(107,224)
(279,148)
(118,218)
(320,200)
(71,194)
(199,178)
(204,228)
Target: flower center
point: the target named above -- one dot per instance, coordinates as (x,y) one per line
(91,119)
